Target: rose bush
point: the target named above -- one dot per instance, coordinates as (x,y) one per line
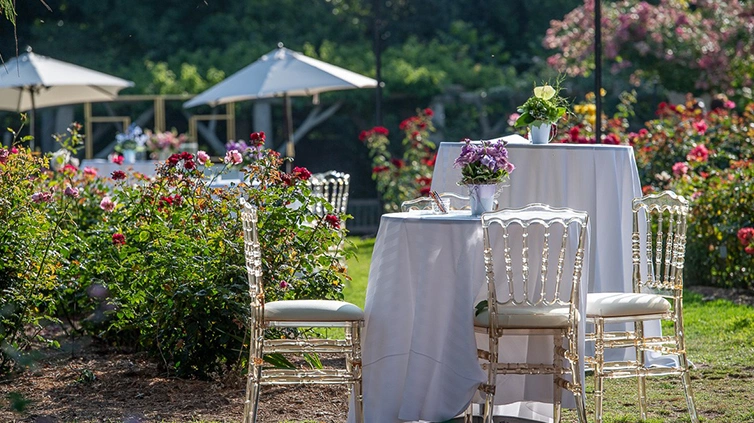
(35,208)
(156,263)
(401,178)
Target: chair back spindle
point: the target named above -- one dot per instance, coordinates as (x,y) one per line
(664,225)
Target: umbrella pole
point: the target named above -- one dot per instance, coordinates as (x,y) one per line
(32,117)
(290,148)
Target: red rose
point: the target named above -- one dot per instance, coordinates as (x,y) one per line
(428,112)
(117,159)
(119,239)
(333,221)
(302,173)
(379,169)
(189,164)
(425,190)
(174,159)
(117,175)
(186,156)
(611,139)
(363,136)
(380,130)
(398,163)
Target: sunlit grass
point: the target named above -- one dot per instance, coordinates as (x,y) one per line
(720,343)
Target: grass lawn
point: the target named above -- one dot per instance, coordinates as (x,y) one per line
(720,342)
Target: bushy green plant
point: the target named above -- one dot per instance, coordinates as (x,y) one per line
(410,175)
(166,257)
(35,204)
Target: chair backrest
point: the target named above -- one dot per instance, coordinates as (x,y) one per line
(420,203)
(660,219)
(252,253)
(536,280)
(333,186)
(457,202)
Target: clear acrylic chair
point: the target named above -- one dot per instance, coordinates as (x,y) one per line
(456,201)
(535,248)
(660,220)
(333,186)
(296,314)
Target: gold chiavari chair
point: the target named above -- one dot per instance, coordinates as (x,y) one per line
(535,298)
(658,294)
(296,314)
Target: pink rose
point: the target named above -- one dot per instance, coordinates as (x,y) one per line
(41,197)
(700,127)
(90,172)
(107,204)
(680,168)
(202,157)
(233,157)
(117,159)
(698,154)
(71,192)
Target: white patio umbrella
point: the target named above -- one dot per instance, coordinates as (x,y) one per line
(31,81)
(282,73)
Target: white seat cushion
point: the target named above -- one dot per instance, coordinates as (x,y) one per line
(312,310)
(617,304)
(525,317)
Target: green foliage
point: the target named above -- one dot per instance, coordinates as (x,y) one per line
(407,177)
(188,80)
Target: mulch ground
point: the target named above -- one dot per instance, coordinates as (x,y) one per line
(96,384)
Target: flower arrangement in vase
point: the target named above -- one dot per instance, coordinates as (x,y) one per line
(484,166)
(162,144)
(541,111)
(130,142)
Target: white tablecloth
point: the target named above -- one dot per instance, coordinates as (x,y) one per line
(419,346)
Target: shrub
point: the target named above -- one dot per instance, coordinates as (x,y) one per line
(410,175)
(166,256)
(35,204)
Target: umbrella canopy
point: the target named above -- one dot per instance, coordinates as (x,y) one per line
(281,72)
(32,81)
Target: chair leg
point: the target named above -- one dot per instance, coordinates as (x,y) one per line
(353,366)
(680,342)
(641,379)
(557,393)
(599,364)
(468,415)
(489,400)
(253,379)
